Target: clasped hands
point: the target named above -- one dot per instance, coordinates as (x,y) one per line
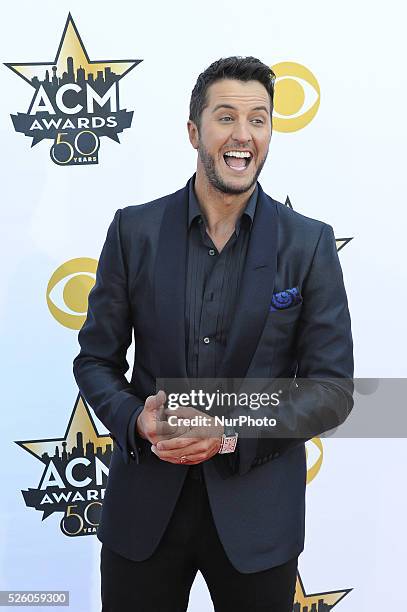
(178,443)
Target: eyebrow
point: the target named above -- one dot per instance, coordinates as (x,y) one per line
(257,108)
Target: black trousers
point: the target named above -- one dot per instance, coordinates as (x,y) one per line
(190,543)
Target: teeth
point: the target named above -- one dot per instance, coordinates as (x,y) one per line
(238,154)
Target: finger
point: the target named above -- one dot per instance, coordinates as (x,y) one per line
(184,412)
(177,443)
(186,459)
(155,402)
(175,460)
(165,431)
(205,427)
(190,451)
(163,428)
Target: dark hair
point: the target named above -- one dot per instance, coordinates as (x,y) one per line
(236,67)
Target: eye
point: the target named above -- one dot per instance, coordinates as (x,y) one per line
(296,97)
(315,456)
(259,121)
(226,118)
(68,290)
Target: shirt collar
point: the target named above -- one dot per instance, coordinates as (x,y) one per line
(194,210)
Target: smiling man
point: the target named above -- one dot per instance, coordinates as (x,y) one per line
(217,280)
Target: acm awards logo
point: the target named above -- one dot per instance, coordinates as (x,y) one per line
(75,101)
(74,476)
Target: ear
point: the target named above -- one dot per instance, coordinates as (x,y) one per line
(193,134)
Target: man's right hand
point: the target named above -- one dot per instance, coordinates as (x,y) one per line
(151,423)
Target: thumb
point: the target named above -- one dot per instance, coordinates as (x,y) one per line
(155,402)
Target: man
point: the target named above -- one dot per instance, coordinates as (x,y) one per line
(217,280)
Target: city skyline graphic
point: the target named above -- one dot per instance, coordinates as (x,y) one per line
(104,78)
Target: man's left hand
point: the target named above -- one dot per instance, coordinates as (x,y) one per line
(198,444)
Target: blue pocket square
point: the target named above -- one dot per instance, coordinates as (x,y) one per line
(285,299)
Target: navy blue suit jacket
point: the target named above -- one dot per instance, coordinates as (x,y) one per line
(140,286)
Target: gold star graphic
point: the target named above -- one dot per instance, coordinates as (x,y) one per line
(81,423)
(327,598)
(341,242)
(71,55)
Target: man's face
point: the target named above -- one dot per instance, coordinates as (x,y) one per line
(234,134)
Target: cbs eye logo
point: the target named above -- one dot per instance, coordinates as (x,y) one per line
(315,455)
(68,290)
(296,97)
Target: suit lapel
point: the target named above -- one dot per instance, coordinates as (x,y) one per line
(254,296)
(255,291)
(170,272)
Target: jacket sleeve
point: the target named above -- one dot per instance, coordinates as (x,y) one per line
(101,364)
(322,396)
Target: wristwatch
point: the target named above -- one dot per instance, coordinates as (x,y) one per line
(229,440)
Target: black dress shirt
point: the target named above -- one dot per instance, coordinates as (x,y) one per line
(212,287)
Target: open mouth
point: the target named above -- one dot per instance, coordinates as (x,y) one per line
(237,160)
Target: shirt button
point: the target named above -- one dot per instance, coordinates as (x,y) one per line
(206,340)
(211,252)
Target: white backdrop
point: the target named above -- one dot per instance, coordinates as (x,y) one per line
(344,167)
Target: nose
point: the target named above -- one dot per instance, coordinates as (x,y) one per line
(241,132)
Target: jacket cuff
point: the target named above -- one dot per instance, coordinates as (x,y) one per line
(247,448)
(128,409)
(134,443)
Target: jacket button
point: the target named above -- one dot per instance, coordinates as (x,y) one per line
(132,454)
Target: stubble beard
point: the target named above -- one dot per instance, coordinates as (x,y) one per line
(216,181)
